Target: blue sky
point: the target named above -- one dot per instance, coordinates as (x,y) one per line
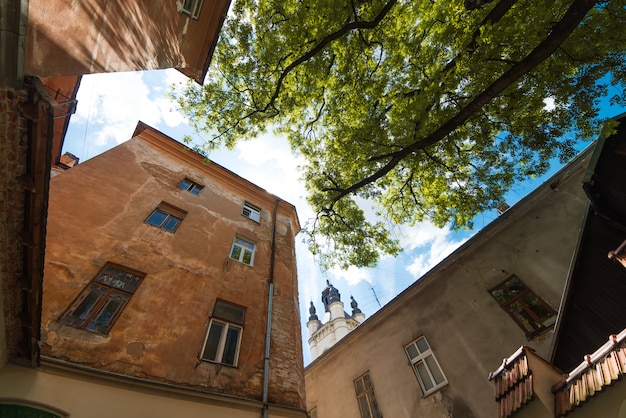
(109,107)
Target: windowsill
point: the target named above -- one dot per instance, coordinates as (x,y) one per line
(436,389)
(241,262)
(539,332)
(216,363)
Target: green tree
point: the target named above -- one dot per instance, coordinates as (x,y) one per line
(429,109)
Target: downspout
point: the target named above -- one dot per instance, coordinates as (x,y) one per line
(268,330)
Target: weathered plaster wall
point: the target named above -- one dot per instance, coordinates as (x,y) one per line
(97,211)
(466,328)
(69,37)
(13,148)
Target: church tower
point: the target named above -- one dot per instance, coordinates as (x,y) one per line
(336,324)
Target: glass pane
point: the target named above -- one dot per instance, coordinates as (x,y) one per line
(434,369)
(519,313)
(102,320)
(424,376)
(367,381)
(244,243)
(515,286)
(236,252)
(411,350)
(537,307)
(119,279)
(171,224)
(247,257)
(185,184)
(230,347)
(374,405)
(364,407)
(229,312)
(213,341)
(358,385)
(422,345)
(156,218)
(86,306)
(501,295)
(195,189)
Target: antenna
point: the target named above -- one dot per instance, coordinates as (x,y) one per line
(374,292)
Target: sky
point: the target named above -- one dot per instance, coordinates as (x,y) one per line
(109,107)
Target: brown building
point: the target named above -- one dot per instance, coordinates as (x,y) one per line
(67,37)
(428,352)
(57,41)
(170,289)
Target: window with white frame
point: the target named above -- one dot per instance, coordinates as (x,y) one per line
(365,396)
(242,251)
(191,8)
(224,335)
(251,212)
(429,374)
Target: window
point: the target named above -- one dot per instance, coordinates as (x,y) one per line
(191,8)
(251,212)
(242,251)
(366,398)
(190,186)
(222,341)
(24,411)
(101,302)
(530,312)
(427,370)
(166,217)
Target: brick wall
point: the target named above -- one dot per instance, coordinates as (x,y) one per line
(13,147)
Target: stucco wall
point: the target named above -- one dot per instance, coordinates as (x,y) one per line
(96,214)
(89,396)
(466,328)
(70,37)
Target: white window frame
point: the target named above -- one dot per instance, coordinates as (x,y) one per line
(239,242)
(193,10)
(424,357)
(222,343)
(368,394)
(251,212)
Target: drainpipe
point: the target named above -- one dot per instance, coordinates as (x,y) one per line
(268,330)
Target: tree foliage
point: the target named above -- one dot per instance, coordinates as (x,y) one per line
(430,109)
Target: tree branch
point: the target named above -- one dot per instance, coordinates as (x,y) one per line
(560,32)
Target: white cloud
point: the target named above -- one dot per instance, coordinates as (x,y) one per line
(432,244)
(353,275)
(549,103)
(269,163)
(110,105)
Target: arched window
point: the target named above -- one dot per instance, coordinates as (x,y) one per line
(17,410)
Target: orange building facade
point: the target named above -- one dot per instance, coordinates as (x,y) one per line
(68,37)
(170,285)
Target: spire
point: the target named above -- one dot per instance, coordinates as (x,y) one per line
(312,311)
(354,305)
(330,295)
